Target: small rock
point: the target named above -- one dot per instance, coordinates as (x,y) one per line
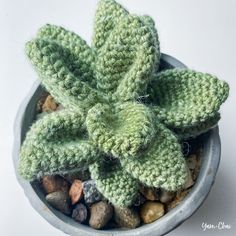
(151,211)
(60,201)
(177,200)
(54,183)
(149,193)
(101,213)
(166,196)
(126,217)
(49,104)
(76,191)
(41,101)
(189,183)
(192,161)
(91,193)
(80,213)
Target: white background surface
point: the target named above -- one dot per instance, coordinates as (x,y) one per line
(202,34)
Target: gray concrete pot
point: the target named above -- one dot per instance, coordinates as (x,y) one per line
(210,163)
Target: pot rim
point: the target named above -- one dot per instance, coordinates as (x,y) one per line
(171,220)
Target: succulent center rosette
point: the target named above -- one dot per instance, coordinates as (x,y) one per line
(104,125)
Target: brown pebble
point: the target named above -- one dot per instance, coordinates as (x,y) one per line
(76,191)
(100,214)
(54,183)
(60,201)
(126,217)
(151,211)
(49,104)
(166,196)
(150,193)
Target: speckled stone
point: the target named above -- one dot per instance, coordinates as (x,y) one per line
(91,193)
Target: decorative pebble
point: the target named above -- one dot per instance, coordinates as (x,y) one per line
(100,214)
(54,183)
(49,104)
(126,217)
(179,197)
(166,196)
(76,191)
(149,193)
(151,211)
(41,101)
(60,201)
(91,193)
(80,213)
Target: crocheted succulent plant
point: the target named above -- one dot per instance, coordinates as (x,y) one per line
(104,125)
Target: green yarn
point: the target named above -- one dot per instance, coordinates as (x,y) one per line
(104,125)
(122,130)
(127,59)
(55,144)
(162,165)
(55,65)
(183,99)
(83,56)
(200,128)
(116,185)
(107,16)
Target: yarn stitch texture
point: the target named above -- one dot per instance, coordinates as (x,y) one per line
(104,125)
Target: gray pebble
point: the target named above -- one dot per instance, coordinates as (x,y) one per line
(80,213)
(60,201)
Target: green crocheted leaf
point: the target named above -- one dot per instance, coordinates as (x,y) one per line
(185,98)
(200,128)
(123,130)
(84,56)
(115,184)
(108,13)
(161,165)
(56,143)
(55,65)
(127,59)
(148,21)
